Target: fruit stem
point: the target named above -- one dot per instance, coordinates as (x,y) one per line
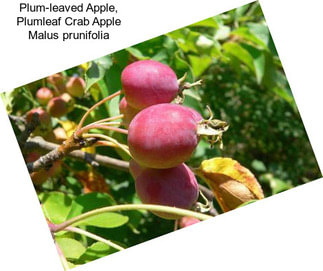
(93,236)
(110,139)
(95,106)
(99,126)
(109,119)
(129,207)
(62,257)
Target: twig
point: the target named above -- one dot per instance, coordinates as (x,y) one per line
(69,145)
(93,159)
(62,257)
(29,128)
(93,236)
(129,207)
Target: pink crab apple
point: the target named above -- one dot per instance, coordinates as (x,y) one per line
(163,135)
(57,107)
(175,187)
(149,82)
(128,112)
(43,95)
(76,86)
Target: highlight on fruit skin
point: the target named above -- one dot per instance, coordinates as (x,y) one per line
(43,95)
(163,135)
(76,86)
(231,183)
(176,187)
(149,82)
(128,112)
(70,101)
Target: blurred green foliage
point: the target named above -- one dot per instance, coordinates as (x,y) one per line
(243,83)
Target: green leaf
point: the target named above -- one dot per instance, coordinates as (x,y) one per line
(199,63)
(210,22)
(247,35)
(222,33)
(97,70)
(136,53)
(71,248)
(247,203)
(185,39)
(105,220)
(96,251)
(240,53)
(88,202)
(259,61)
(114,106)
(258,165)
(56,206)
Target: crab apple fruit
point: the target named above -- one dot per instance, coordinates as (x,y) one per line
(135,169)
(148,82)
(70,101)
(57,107)
(44,119)
(57,80)
(128,112)
(187,221)
(163,135)
(43,95)
(76,86)
(176,187)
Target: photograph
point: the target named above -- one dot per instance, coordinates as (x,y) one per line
(161,135)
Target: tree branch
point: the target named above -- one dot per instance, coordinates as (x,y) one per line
(29,128)
(93,159)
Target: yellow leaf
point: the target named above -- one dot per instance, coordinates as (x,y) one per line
(68,126)
(231,183)
(90,149)
(84,66)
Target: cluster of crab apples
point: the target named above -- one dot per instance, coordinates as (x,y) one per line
(161,136)
(55,99)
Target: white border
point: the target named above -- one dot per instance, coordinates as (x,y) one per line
(283,232)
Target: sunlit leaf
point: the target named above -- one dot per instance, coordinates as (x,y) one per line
(97,70)
(105,220)
(56,206)
(71,248)
(88,202)
(96,251)
(231,183)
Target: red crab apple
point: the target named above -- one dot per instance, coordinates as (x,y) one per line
(43,95)
(135,169)
(176,187)
(57,80)
(76,86)
(39,177)
(57,107)
(44,119)
(163,135)
(149,82)
(187,221)
(128,112)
